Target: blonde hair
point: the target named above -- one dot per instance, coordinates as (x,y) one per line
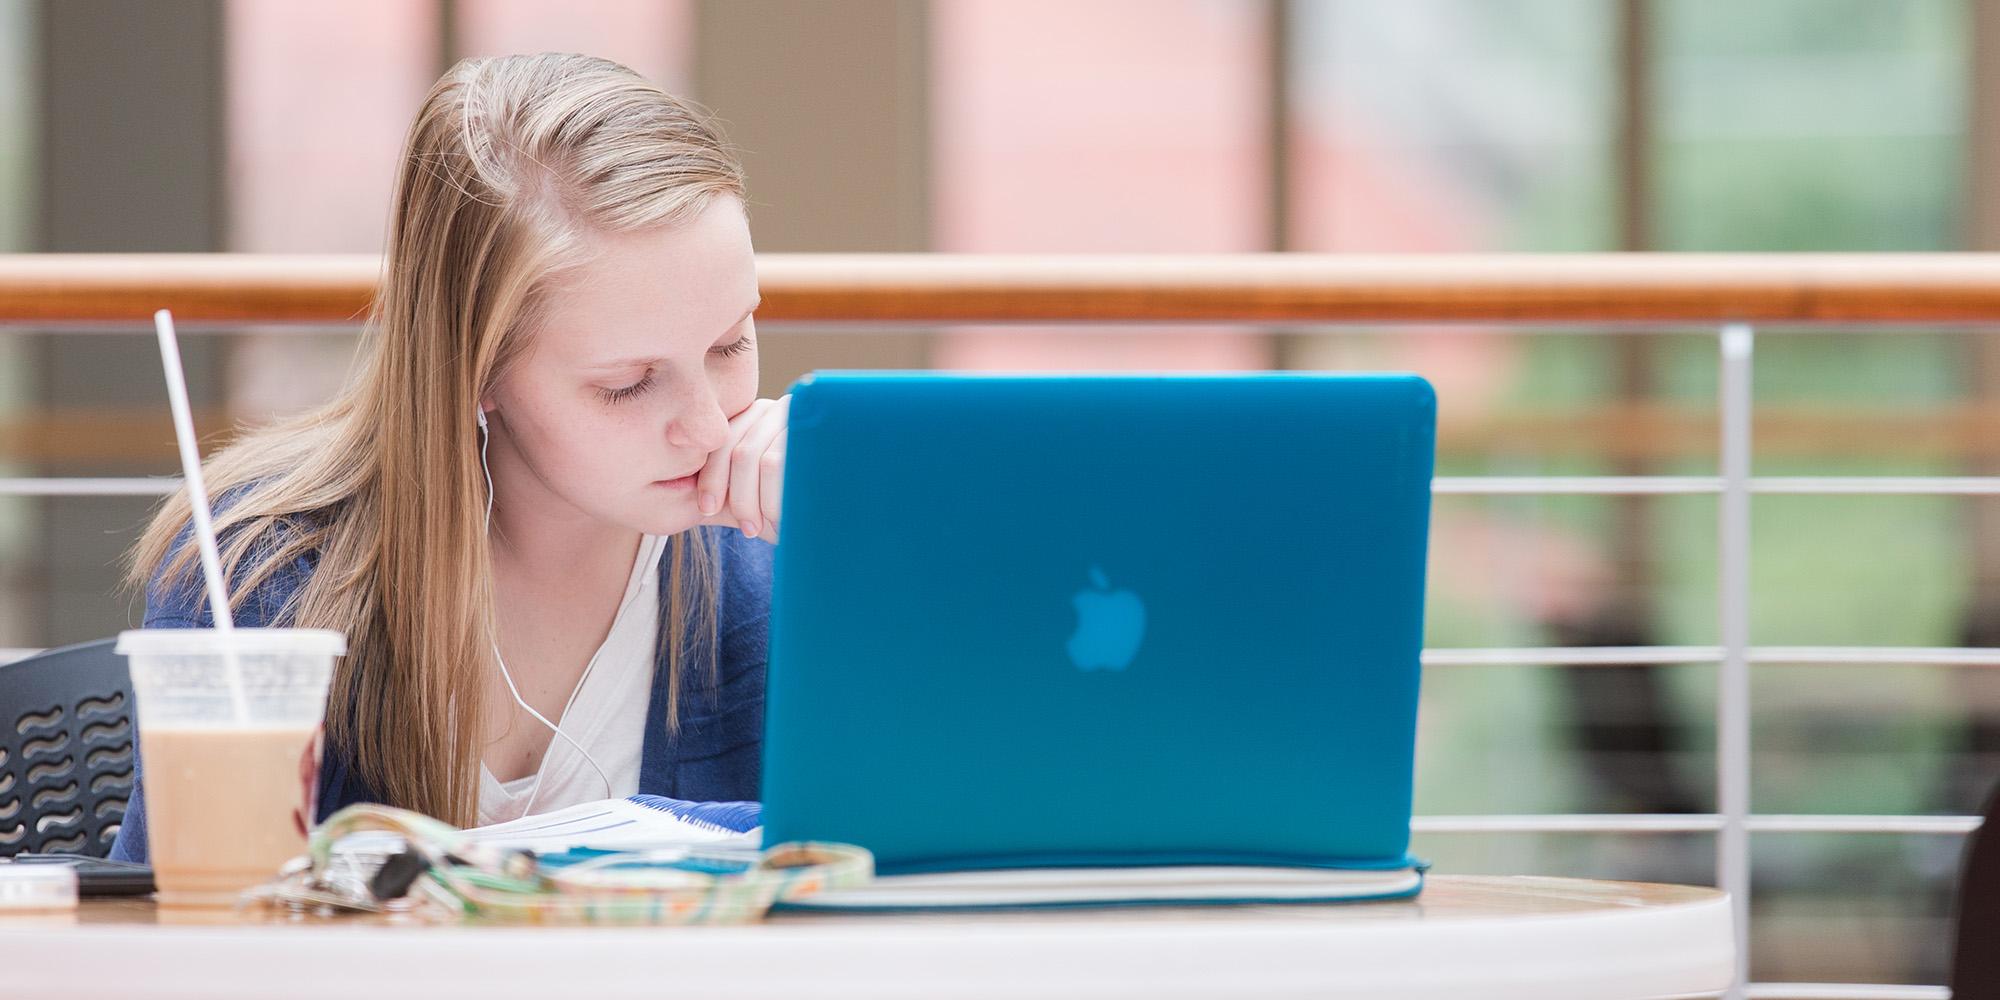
(510,164)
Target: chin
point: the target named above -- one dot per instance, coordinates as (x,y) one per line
(657,522)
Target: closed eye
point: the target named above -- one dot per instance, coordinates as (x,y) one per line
(624,393)
(741,346)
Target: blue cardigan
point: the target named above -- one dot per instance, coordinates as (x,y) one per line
(717,753)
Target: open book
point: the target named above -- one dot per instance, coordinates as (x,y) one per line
(641,822)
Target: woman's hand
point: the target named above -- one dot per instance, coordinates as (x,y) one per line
(742,484)
(305,813)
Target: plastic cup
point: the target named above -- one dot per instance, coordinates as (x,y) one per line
(221,786)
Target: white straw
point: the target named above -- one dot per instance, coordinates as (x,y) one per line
(204,524)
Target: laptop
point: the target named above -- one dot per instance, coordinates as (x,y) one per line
(1035,621)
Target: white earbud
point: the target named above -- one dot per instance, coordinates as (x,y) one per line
(479,417)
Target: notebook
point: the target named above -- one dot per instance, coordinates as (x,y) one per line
(1146,884)
(1052,627)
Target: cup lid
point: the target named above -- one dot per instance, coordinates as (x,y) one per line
(197,641)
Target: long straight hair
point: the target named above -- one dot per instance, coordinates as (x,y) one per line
(510,164)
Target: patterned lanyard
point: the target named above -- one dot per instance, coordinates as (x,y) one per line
(445,874)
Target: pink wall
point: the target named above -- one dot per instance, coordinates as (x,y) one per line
(313,137)
(314,131)
(653,37)
(1100,126)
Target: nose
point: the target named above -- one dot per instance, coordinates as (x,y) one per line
(700,425)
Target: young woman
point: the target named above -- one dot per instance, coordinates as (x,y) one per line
(548,499)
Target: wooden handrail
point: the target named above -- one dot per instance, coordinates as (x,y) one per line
(218,288)
(1956,288)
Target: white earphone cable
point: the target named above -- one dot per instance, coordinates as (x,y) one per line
(536,789)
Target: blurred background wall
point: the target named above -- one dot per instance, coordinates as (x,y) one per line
(1219,126)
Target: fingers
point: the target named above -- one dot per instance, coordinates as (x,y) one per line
(741,484)
(752,468)
(304,813)
(773,490)
(712,484)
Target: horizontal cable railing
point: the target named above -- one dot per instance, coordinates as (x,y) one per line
(1615,656)
(1719,293)
(1844,991)
(1691,823)
(1622,656)
(1676,433)
(1454,485)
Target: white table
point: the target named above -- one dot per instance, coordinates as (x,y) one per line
(1465,937)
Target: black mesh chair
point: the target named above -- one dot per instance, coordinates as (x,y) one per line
(65,750)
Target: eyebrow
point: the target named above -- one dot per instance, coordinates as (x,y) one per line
(634,362)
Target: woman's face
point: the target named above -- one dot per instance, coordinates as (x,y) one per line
(644,354)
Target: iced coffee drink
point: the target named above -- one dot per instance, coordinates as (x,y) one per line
(225,722)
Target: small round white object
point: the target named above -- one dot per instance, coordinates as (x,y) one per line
(37,887)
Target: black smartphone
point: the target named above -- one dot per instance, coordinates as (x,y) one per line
(96,876)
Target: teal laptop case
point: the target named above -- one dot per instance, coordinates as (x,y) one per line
(1033,620)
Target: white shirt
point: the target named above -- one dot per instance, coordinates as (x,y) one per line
(606,713)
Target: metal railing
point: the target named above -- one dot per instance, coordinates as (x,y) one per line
(1725,293)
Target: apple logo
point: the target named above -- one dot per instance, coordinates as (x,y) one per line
(1109,625)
